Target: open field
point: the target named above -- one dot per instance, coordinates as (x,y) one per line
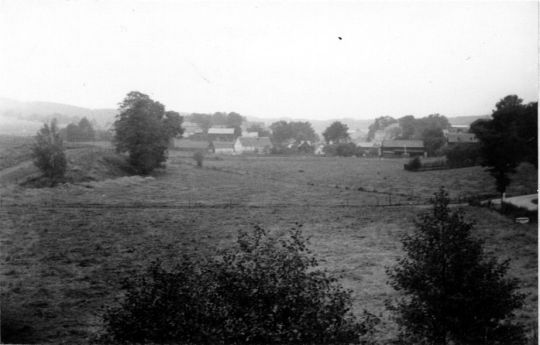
(65,250)
(14,150)
(385,176)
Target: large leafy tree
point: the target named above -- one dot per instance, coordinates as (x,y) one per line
(451,291)
(298,131)
(433,140)
(336,133)
(235,120)
(379,124)
(262,132)
(48,152)
(86,129)
(408,125)
(144,129)
(203,120)
(508,138)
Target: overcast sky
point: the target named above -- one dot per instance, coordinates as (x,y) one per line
(273,59)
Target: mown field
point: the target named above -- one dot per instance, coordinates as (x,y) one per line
(66,250)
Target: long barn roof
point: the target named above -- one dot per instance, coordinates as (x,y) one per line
(403,143)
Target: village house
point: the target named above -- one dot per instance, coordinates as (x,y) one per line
(252,145)
(402,148)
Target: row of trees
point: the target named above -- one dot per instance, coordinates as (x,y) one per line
(83,131)
(229,120)
(144,130)
(429,129)
(270,290)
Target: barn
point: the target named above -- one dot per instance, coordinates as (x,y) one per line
(402,148)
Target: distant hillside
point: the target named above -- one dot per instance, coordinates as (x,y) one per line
(25,118)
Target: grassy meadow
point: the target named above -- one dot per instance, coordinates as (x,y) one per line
(66,250)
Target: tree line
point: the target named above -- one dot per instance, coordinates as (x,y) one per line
(144,130)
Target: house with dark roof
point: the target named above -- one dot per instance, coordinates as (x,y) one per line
(402,148)
(252,145)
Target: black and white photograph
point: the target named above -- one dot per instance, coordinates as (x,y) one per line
(237,172)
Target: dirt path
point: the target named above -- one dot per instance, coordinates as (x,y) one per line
(18,173)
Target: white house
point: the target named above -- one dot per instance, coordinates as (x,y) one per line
(252,145)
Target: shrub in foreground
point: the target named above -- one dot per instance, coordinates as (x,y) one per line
(413,164)
(265,290)
(199,158)
(452,292)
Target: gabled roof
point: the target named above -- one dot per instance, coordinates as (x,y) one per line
(255,142)
(223,144)
(462,138)
(215,130)
(403,143)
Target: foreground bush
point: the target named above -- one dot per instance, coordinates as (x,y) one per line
(452,292)
(265,290)
(199,158)
(414,164)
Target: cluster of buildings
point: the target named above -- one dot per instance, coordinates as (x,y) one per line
(221,140)
(383,145)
